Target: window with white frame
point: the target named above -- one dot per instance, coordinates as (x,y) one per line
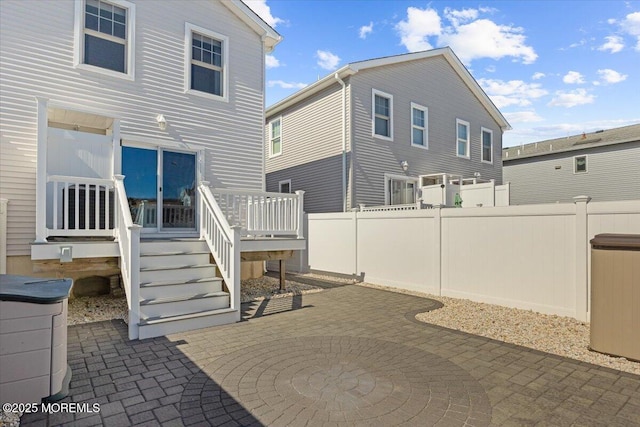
(462,138)
(580,164)
(487,145)
(419,126)
(275,137)
(104,38)
(206,62)
(400,190)
(284,186)
(382,114)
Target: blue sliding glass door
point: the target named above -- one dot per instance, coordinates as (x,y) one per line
(161,187)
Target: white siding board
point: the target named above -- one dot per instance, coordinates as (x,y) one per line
(231,132)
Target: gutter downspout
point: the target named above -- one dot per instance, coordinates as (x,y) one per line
(344,142)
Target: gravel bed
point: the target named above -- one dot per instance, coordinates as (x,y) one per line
(267,287)
(559,335)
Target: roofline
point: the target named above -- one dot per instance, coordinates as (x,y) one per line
(564,150)
(270,37)
(355,67)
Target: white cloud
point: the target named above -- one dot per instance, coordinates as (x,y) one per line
(365,30)
(512,92)
(286,85)
(457,17)
(420,24)
(538,76)
(327,60)
(573,78)
(523,117)
(572,98)
(611,76)
(614,44)
(263,10)
(271,61)
(468,35)
(631,26)
(483,38)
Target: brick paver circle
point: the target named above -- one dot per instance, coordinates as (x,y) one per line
(336,379)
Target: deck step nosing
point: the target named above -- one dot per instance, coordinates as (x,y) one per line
(180,282)
(157,320)
(176,267)
(167,300)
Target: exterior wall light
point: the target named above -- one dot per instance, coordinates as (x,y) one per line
(405,165)
(162,122)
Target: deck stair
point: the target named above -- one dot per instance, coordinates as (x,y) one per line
(179,290)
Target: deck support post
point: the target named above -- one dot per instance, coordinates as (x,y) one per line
(283,274)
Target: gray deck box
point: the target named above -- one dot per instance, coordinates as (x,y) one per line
(33,339)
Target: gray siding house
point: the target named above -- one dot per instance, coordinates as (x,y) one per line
(604,165)
(364,134)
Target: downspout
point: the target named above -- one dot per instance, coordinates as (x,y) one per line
(344,142)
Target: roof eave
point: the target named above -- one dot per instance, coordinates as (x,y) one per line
(566,150)
(270,37)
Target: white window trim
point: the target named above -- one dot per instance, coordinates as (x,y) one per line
(462,122)
(389,176)
(375,92)
(482,130)
(78,50)
(271,153)
(586,164)
(286,181)
(425,128)
(189,29)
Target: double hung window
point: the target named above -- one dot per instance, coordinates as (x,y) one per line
(462,138)
(487,145)
(206,62)
(382,115)
(419,126)
(275,137)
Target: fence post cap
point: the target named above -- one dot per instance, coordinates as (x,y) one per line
(581,199)
(118,177)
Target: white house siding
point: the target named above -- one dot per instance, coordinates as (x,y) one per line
(37,49)
(311,150)
(613,173)
(431,83)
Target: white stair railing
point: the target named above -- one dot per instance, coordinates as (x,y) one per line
(263,214)
(223,241)
(128,236)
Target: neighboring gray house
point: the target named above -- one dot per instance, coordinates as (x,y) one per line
(604,165)
(364,134)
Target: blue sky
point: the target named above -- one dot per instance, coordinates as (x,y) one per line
(554,68)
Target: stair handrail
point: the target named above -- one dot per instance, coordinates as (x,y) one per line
(223,241)
(127,235)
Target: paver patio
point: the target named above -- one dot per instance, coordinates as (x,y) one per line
(347,356)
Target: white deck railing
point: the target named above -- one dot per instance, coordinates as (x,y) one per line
(223,241)
(128,236)
(80,206)
(263,214)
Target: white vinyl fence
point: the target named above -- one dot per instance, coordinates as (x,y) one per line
(533,257)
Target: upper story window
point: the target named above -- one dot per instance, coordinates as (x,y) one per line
(419,126)
(580,164)
(104,40)
(487,145)
(462,138)
(206,62)
(275,137)
(382,115)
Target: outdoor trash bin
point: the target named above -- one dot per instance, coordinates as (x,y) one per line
(615,295)
(33,339)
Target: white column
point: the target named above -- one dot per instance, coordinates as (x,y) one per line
(41,173)
(116,166)
(582,255)
(300,231)
(437,260)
